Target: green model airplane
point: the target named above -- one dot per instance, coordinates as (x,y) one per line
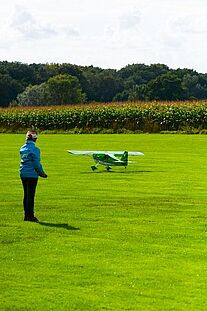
(108,158)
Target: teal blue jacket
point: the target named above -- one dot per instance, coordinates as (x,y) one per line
(30,165)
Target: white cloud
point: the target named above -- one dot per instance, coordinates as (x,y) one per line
(192,25)
(24,22)
(130,20)
(22,25)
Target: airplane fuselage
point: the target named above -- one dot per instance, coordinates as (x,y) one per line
(107,160)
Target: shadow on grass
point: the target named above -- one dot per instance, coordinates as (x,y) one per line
(116,172)
(64,226)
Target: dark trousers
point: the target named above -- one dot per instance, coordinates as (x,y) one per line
(29,185)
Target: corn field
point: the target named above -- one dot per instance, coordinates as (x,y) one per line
(152,117)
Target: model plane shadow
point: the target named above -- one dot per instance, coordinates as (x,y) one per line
(118,172)
(65,226)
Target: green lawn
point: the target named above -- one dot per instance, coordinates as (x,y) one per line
(130,239)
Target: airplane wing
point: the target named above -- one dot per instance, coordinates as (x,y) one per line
(90,153)
(135,153)
(130,153)
(84,152)
(109,153)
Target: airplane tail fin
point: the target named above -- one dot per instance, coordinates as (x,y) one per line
(124,157)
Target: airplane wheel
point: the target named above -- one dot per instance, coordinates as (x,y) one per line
(93,167)
(108,168)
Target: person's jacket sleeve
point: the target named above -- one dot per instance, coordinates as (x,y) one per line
(36,161)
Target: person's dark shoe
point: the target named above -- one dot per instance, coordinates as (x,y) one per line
(33,219)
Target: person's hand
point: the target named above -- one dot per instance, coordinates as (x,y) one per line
(43,175)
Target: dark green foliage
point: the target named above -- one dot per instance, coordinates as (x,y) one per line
(195,86)
(137,74)
(102,85)
(65,89)
(9,88)
(165,87)
(35,95)
(60,89)
(133,82)
(23,73)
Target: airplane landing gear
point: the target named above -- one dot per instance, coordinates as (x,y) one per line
(93,167)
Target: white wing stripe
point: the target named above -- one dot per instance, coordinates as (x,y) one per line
(110,153)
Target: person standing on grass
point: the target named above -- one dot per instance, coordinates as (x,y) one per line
(30,170)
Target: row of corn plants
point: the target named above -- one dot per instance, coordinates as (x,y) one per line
(143,117)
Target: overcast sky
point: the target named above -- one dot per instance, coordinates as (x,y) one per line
(105,33)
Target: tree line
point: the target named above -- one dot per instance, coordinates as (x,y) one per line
(58,84)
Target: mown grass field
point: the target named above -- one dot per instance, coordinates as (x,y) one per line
(131,239)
